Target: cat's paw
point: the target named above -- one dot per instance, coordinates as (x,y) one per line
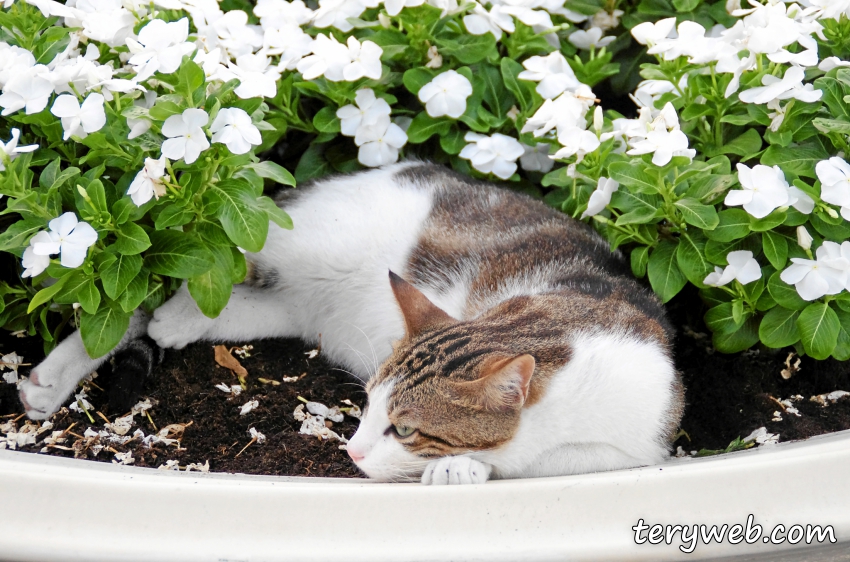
(178,322)
(54,379)
(456,470)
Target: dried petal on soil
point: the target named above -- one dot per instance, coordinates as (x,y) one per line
(11,361)
(790,369)
(169,465)
(234,390)
(124,458)
(228,361)
(762,437)
(830,397)
(257,436)
(198,467)
(353,409)
(248,406)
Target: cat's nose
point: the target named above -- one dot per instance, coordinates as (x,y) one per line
(355,454)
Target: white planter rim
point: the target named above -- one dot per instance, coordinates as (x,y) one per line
(65,509)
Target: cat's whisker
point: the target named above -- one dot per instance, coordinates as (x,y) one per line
(372,347)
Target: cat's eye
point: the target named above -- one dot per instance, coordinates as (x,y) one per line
(403,430)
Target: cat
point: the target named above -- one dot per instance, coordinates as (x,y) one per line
(498,337)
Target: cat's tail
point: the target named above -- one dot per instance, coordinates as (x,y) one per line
(131,367)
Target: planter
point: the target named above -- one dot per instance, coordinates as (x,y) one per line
(62,509)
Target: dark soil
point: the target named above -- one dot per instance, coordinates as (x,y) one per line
(728,396)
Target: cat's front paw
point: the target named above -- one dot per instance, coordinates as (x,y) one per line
(178,322)
(53,380)
(456,470)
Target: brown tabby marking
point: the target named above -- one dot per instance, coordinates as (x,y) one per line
(501,236)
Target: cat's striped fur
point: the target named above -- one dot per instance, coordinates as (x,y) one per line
(512,342)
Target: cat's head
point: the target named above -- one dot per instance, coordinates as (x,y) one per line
(443,391)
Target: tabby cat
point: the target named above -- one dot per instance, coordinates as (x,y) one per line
(499,338)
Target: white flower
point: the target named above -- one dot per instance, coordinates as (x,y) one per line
(366,113)
(139,127)
(329,58)
(289,42)
(79,120)
(14,61)
(834,176)
(160,47)
(248,406)
(590,39)
(564,113)
(364,60)
(480,21)
(335,13)
(275,14)
(649,33)
(10,150)
(552,72)
(742,266)
(816,278)
(496,154)
(25,90)
(664,144)
(147,182)
(790,86)
(576,142)
(186,137)
(256,435)
(446,94)
(379,143)
(33,263)
(536,158)
(394,7)
(233,127)
(601,196)
(829,63)
(256,77)
(606,20)
(804,239)
(765,189)
(67,237)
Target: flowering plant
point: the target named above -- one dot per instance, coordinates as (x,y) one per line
(135,131)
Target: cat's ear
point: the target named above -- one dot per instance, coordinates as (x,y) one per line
(419,313)
(503,383)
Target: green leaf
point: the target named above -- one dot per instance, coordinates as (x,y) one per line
(177,254)
(19,233)
(664,275)
(721,319)
(468,49)
(640,208)
(190,77)
(778,328)
(630,175)
(118,274)
(88,295)
(275,172)
(46,294)
(697,214)
(415,78)
(135,293)
(275,213)
(102,330)
(819,327)
(744,338)
(424,127)
(799,160)
(775,248)
(522,90)
(784,294)
(163,109)
(211,289)
(744,145)
(244,220)
(769,222)
(173,215)
(685,5)
(131,239)
(733,224)
(842,346)
(690,256)
(326,120)
(639,260)
(453,141)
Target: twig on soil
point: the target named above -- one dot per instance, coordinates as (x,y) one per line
(104,418)
(781,405)
(19,416)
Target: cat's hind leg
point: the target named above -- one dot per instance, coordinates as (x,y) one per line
(252,312)
(54,379)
